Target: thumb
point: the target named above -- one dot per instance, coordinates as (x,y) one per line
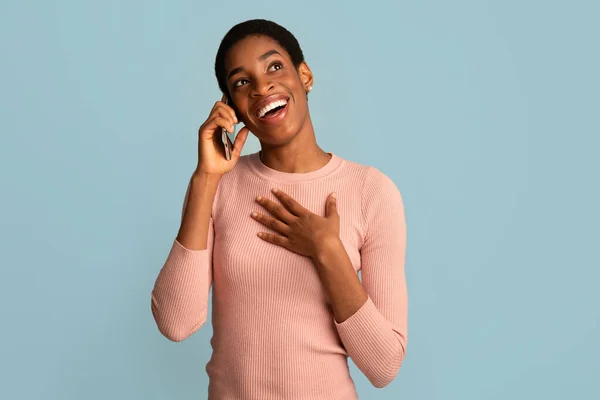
(240,139)
(331,206)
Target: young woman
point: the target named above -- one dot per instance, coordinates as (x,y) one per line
(280,235)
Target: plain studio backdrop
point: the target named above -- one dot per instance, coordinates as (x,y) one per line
(484,113)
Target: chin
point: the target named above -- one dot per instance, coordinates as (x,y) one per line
(276,135)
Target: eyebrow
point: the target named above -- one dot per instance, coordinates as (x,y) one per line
(261,58)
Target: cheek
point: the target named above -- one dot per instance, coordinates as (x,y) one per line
(241,108)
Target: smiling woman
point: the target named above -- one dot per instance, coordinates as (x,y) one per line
(288,306)
(268,86)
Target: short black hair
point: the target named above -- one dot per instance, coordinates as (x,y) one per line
(255,27)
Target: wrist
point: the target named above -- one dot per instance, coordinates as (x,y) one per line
(326,248)
(205,178)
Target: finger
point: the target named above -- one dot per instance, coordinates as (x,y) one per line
(272,223)
(222,112)
(289,203)
(227,110)
(214,108)
(276,209)
(331,205)
(217,122)
(221,104)
(275,239)
(224,123)
(239,142)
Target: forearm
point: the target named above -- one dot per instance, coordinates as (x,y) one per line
(373,342)
(180,294)
(193,232)
(340,281)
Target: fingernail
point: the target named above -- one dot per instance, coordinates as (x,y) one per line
(333,195)
(259,198)
(275,190)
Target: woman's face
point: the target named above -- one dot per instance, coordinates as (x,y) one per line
(268,92)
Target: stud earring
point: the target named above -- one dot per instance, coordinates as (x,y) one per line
(309,88)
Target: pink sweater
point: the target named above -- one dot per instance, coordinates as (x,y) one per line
(274,334)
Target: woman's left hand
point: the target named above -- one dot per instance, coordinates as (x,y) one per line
(299,230)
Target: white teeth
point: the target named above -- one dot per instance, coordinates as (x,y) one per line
(270,106)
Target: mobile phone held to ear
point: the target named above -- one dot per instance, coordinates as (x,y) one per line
(225,140)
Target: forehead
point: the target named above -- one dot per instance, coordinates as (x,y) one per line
(248,51)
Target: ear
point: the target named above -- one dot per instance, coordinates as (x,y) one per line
(306,75)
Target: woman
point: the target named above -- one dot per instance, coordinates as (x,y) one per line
(280,235)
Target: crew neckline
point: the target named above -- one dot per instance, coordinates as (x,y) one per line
(292,177)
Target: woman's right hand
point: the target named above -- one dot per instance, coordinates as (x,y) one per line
(211,154)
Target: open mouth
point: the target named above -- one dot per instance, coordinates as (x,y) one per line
(273,109)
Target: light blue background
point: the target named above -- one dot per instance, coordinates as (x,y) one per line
(485,114)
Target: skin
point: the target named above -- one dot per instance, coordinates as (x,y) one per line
(306,233)
(258,67)
(290,146)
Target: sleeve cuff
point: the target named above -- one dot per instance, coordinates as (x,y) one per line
(372,343)
(182,250)
(366,325)
(366,315)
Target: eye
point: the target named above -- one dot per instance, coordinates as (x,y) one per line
(275,66)
(240,82)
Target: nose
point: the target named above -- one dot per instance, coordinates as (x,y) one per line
(262,87)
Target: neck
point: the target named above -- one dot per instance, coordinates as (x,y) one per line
(301,155)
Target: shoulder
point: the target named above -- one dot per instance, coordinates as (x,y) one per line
(380,198)
(238,172)
(372,180)
(377,182)
(230,183)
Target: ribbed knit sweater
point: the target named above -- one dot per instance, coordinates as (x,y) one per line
(274,332)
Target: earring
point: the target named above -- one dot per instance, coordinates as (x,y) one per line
(309,88)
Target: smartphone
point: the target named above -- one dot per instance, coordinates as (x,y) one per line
(225,140)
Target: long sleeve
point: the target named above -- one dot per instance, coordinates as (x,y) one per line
(180,295)
(274,330)
(375,337)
